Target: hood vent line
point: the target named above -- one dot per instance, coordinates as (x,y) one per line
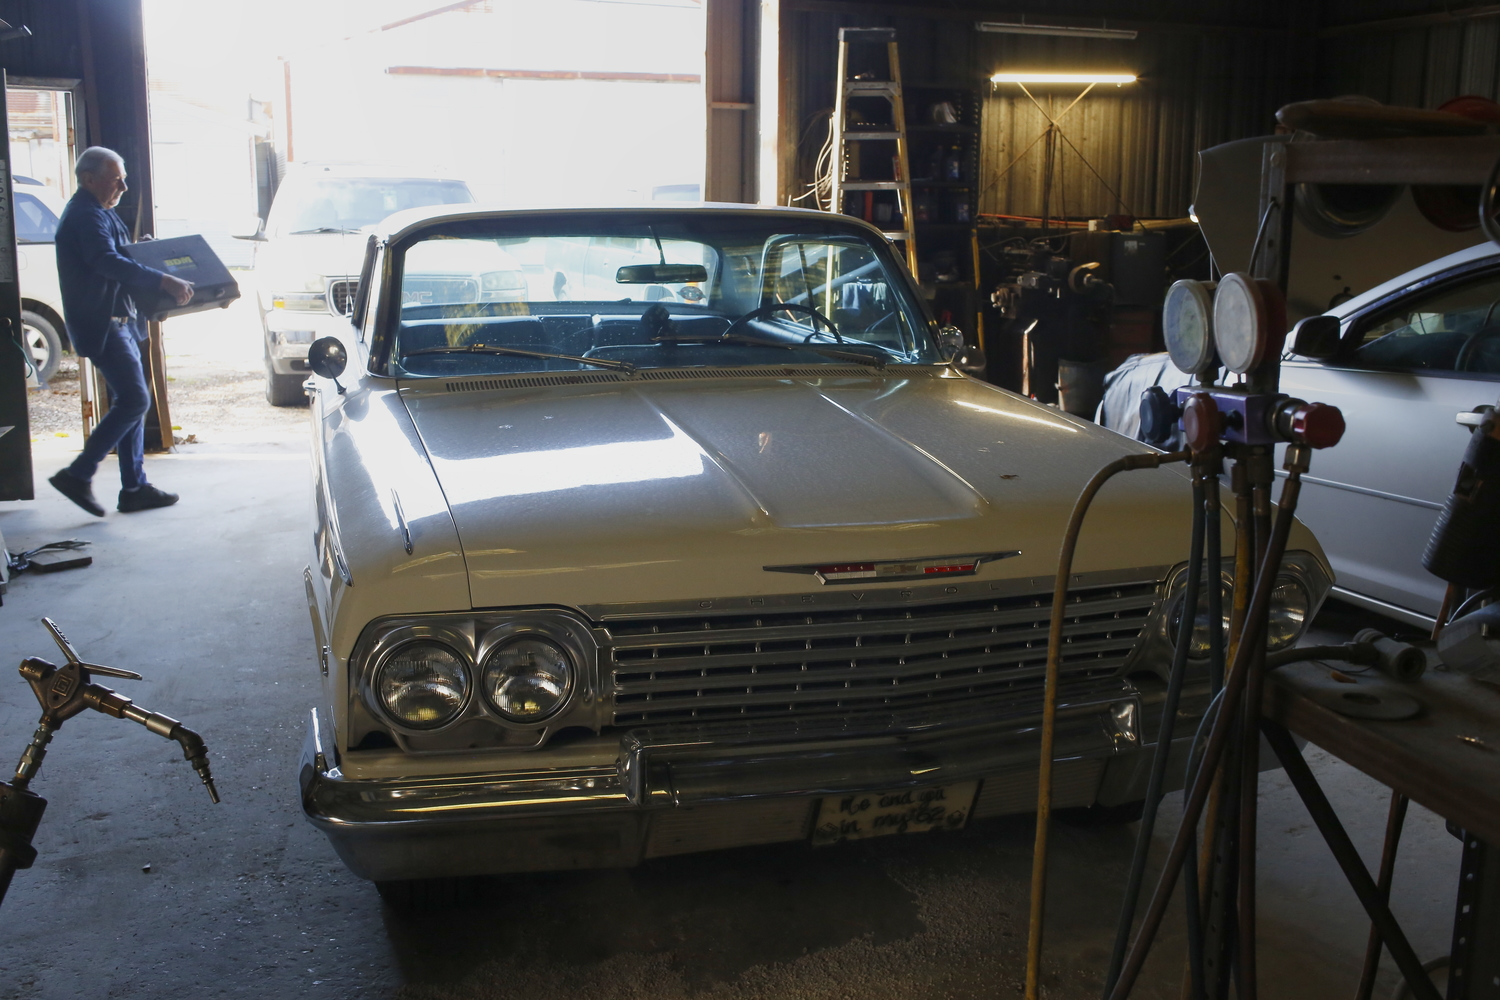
(684,374)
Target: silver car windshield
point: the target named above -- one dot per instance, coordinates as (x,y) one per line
(652,290)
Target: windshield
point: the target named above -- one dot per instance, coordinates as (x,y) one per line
(652,290)
(344,204)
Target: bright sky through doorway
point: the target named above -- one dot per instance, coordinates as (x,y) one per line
(460,93)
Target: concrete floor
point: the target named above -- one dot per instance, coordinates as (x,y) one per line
(144,888)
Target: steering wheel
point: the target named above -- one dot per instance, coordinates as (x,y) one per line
(1466,352)
(761,312)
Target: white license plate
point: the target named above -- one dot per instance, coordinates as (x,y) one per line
(909,810)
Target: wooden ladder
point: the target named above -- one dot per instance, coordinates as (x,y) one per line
(846,140)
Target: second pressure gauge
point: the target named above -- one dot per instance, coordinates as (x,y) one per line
(1187,325)
(1248,317)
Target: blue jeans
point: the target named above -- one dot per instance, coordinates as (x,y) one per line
(124,426)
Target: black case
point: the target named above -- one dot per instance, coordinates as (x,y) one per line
(191,259)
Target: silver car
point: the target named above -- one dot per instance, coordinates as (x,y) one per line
(1412,354)
(704,541)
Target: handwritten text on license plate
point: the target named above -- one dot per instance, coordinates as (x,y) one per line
(908,810)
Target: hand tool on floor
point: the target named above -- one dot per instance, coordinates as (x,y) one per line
(63,693)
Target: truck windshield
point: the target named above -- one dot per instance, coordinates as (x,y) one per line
(344,204)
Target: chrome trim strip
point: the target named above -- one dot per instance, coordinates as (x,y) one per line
(1395,611)
(1367,492)
(935,593)
(401,521)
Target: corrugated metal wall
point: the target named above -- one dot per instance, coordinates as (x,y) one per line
(1129,150)
(1416,65)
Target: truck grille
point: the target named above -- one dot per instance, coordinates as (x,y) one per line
(417,290)
(341,297)
(781,665)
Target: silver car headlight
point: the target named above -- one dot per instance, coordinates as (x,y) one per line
(422,685)
(527,679)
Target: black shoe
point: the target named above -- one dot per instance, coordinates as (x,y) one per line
(145,498)
(76,490)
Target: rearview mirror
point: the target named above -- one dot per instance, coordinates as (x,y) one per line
(660,274)
(1317,337)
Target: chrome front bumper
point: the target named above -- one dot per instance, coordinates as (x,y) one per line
(680,789)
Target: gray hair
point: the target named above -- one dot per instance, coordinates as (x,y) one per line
(91,159)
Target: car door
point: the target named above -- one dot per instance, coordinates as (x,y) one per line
(1408,364)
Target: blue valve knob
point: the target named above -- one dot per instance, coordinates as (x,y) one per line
(1159,415)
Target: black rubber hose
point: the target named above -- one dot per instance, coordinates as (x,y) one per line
(1218,737)
(1163,737)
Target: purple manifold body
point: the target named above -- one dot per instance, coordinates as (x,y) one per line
(1247,416)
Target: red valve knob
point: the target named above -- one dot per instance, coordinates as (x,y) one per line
(1202,424)
(1318,425)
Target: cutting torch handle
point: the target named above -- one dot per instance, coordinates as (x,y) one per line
(106,701)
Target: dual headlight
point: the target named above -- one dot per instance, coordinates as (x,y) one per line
(1300,589)
(426,683)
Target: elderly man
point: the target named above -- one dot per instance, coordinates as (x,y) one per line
(97,283)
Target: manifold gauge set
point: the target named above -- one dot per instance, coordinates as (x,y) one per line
(1236,323)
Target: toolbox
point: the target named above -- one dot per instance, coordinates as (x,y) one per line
(191,259)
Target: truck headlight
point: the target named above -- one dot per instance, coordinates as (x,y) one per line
(1289,613)
(300,301)
(499,281)
(423,685)
(527,679)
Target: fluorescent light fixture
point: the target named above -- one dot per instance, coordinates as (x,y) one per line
(1011,28)
(1115,78)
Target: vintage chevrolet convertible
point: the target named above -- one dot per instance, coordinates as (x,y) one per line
(707,541)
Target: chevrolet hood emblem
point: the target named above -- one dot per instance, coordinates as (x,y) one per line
(926,568)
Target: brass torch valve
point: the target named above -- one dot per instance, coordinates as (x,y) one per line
(67,690)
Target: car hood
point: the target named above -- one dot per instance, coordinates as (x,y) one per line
(660,490)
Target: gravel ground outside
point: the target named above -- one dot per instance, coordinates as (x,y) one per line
(215,384)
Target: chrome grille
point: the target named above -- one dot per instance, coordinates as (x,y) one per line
(780,665)
(341,297)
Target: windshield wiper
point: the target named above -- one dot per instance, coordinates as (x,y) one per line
(519,352)
(322,229)
(744,339)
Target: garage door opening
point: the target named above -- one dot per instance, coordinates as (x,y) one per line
(571,102)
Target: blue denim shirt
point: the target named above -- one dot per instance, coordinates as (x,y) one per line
(95,278)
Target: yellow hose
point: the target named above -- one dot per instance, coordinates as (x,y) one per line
(1049,697)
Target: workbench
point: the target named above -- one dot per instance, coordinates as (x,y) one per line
(1435,740)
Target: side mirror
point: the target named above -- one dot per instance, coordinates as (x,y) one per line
(950,342)
(957,351)
(257,228)
(327,358)
(1317,337)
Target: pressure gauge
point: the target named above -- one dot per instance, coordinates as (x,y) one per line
(1249,321)
(1187,324)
